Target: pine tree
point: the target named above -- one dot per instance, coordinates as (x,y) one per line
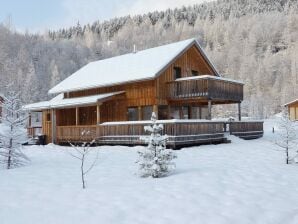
(155,160)
(13,133)
(287,135)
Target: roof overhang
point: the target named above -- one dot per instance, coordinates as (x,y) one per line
(291,103)
(61,102)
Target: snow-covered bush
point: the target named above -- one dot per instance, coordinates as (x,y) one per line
(287,137)
(155,160)
(12,132)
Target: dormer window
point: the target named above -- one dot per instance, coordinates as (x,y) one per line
(177,72)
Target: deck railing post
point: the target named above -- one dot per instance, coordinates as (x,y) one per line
(239,111)
(29,120)
(209,109)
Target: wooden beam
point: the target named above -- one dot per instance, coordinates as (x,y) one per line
(98,113)
(239,111)
(139,113)
(77,116)
(53,113)
(29,120)
(209,109)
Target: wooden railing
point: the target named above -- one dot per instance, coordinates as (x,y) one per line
(247,129)
(180,132)
(208,88)
(184,132)
(34,131)
(76,133)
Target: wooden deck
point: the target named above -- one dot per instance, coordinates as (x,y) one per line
(180,132)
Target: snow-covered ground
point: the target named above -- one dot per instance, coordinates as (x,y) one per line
(242,182)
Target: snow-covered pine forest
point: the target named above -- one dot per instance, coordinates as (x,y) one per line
(250,40)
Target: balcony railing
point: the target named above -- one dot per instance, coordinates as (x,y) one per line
(206,87)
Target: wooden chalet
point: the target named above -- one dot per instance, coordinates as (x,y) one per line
(293,109)
(114,98)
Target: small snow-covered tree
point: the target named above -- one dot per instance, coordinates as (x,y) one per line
(155,160)
(12,132)
(81,152)
(287,135)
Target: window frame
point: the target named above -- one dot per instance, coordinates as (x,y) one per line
(175,69)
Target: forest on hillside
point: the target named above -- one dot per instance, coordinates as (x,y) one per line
(255,41)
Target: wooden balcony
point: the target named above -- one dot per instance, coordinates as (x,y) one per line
(206,87)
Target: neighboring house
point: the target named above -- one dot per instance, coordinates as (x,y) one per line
(176,81)
(293,109)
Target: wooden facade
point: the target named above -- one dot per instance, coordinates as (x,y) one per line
(293,110)
(186,88)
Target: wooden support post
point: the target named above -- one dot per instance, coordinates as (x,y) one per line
(29,120)
(77,116)
(239,111)
(139,113)
(53,113)
(209,109)
(98,113)
(155,110)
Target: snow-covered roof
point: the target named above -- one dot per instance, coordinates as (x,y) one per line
(59,101)
(208,77)
(292,102)
(142,65)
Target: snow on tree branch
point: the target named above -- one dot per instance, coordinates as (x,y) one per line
(155,160)
(287,137)
(12,132)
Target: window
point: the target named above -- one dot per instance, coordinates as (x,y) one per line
(162,112)
(132,114)
(48,116)
(175,112)
(194,73)
(199,112)
(147,112)
(177,72)
(204,113)
(185,112)
(195,113)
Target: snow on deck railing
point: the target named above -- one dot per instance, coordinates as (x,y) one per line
(173,121)
(208,77)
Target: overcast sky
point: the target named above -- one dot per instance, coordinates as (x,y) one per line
(37,15)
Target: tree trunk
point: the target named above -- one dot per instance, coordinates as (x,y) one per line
(9,154)
(82,172)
